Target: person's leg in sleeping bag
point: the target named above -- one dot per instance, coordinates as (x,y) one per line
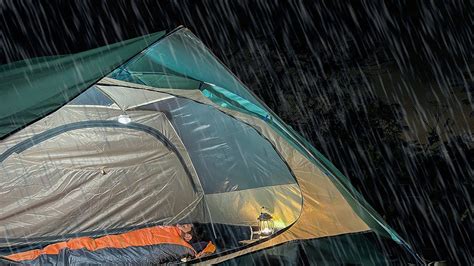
(156,244)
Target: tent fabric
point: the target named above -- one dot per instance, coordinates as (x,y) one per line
(182,54)
(31,89)
(109,194)
(283,201)
(219,144)
(364,210)
(324,212)
(93,96)
(315,184)
(207,149)
(162,60)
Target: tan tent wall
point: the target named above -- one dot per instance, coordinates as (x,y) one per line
(325,212)
(242,207)
(90,180)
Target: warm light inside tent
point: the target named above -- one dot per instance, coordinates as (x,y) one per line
(279,223)
(265,223)
(124,119)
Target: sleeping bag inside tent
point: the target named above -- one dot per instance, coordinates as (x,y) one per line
(105,153)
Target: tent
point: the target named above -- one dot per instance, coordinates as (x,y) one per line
(157,131)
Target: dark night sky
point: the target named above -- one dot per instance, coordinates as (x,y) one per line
(37,28)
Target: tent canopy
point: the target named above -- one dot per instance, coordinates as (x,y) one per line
(196,146)
(33,88)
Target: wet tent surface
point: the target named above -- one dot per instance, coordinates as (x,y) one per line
(219,145)
(97,167)
(362,81)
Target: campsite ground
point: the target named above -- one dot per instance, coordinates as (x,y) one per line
(383,90)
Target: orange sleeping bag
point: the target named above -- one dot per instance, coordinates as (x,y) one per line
(148,245)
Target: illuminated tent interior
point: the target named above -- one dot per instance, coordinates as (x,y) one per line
(156,131)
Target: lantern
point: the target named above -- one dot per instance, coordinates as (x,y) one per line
(265,223)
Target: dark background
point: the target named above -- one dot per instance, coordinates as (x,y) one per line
(384,90)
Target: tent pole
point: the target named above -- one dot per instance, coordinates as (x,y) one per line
(210,217)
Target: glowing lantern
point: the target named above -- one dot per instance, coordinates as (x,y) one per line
(265,224)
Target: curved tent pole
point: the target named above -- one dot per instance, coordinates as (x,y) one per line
(37,139)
